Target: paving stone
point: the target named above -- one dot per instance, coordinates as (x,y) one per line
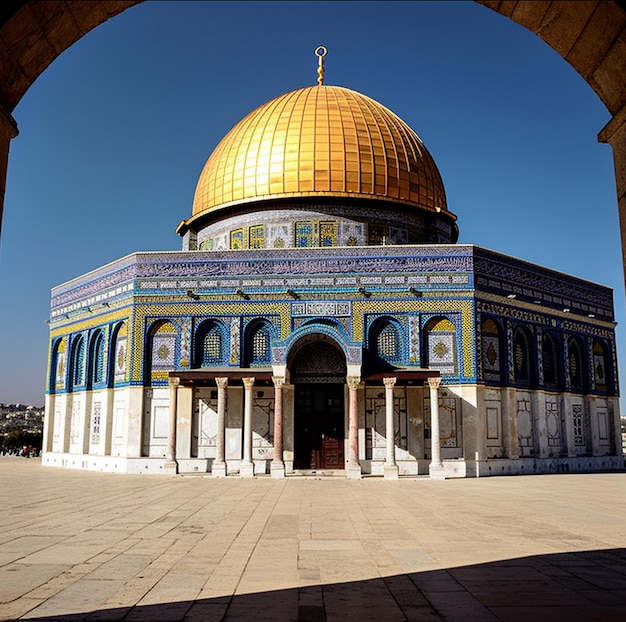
(105,547)
(19,579)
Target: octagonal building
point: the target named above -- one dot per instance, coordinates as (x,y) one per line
(321,319)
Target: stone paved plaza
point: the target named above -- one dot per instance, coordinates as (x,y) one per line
(78,545)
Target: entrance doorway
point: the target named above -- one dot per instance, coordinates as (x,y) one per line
(318,372)
(319,426)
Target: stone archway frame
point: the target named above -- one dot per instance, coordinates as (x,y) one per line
(321,430)
(310,339)
(589,35)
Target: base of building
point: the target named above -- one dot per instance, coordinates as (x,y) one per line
(353,471)
(246,469)
(437,471)
(170,467)
(218,469)
(391,471)
(458,468)
(277,470)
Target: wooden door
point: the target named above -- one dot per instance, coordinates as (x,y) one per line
(319,426)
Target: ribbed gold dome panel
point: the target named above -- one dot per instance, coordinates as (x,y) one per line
(320,141)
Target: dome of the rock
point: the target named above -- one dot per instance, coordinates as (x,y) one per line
(319,143)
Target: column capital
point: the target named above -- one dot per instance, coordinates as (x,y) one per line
(248,383)
(279,381)
(434,383)
(221,383)
(389,382)
(174,381)
(353,381)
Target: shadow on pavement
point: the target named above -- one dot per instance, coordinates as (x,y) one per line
(584,586)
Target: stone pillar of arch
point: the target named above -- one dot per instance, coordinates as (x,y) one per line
(277,467)
(246,469)
(391,468)
(353,466)
(170,457)
(435,468)
(218,468)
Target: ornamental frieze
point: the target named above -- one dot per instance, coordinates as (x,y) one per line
(586,329)
(546,281)
(178,272)
(510,312)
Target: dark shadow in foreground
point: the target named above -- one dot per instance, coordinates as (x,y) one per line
(588,586)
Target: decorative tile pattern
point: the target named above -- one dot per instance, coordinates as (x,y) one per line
(448,422)
(328,233)
(207,435)
(375,422)
(163,351)
(377,235)
(327,283)
(414,340)
(491,357)
(553,424)
(578,422)
(333,309)
(441,352)
(61,364)
(96,413)
(236,240)
(305,234)
(235,341)
(257,236)
(120,359)
(525,426)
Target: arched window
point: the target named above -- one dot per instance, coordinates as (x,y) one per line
(258,344)
(492,359)
(77,363)
(576,365)
(522,362)
(600,368)
(210,345)
(161,352)
(387,344)
(118,351)
(96,360)
(58,365)
(441,349)
(550,360)
(385,341)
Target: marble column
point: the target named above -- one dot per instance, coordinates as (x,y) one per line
(435,468)
(218,468)
(247,466)
(353,467)
(391,468)
(277,467)
(170,456)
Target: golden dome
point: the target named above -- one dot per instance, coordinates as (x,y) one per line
(319,141)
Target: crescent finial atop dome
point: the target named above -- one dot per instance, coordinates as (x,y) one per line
(320,52)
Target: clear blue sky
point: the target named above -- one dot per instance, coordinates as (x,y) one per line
(114,134)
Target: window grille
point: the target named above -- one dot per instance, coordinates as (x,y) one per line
(212,347)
